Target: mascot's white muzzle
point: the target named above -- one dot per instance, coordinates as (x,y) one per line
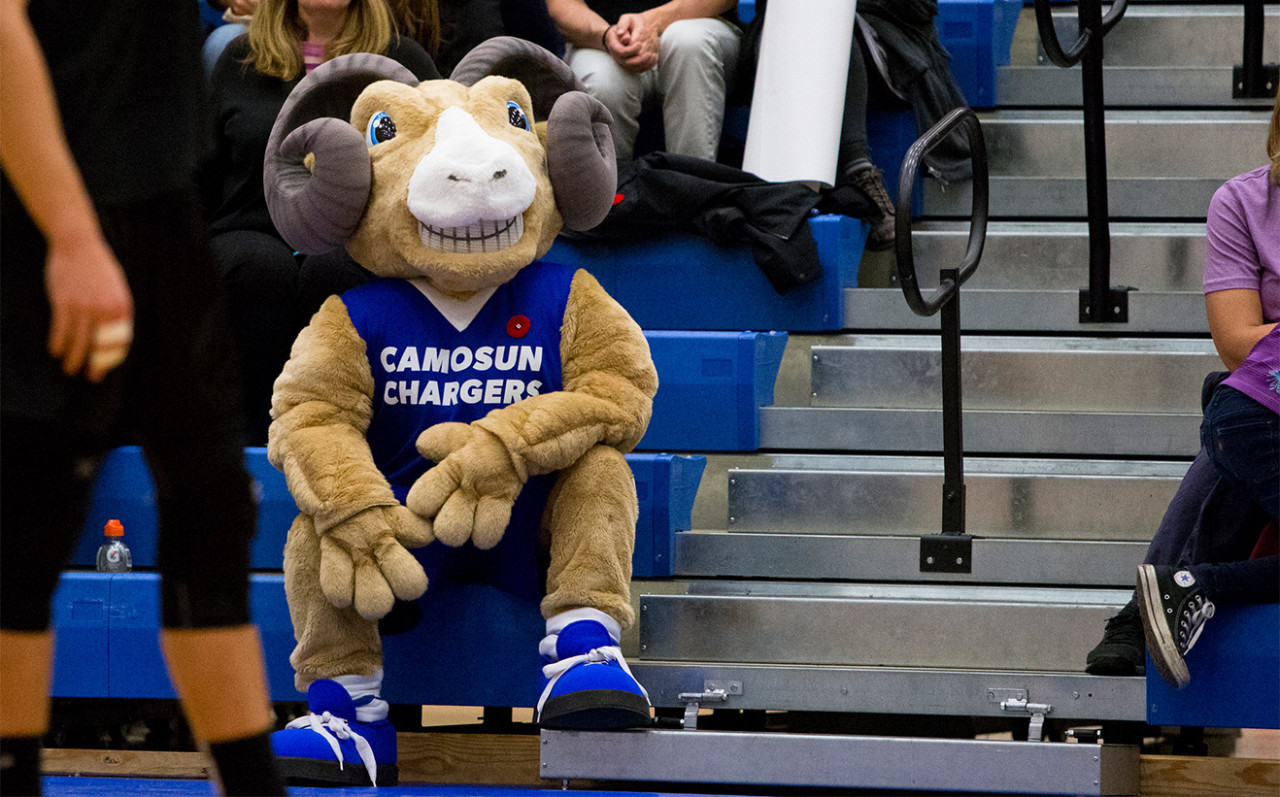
(469,191)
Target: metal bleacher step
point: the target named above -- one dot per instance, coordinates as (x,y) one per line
(1166,56)
(1045,499)
(1032,272)
(1148,375)
(948,626)
(1160,164)
(1022,255)
(1135,397)
(860,517)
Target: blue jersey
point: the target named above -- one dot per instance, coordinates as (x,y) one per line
(426,371)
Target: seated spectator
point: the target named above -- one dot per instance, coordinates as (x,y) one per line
(1241,437)
(897,60)
(1214,517)
(630,53)
(272,293)
(446,29)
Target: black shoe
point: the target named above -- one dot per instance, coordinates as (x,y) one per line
(1174,611)
(1121,651)
(870,181)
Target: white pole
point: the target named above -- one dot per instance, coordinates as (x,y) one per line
(798,101)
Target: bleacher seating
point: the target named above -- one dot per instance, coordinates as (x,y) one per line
(107,624)
(1235,674)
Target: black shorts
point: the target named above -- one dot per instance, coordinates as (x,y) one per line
(176,395)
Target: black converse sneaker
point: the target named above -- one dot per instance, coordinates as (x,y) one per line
(1121,651)
(1174,611)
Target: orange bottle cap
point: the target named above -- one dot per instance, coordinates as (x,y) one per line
(114,528)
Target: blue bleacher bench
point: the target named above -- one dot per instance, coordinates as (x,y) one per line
(106,624)
(1235,674)
(682,281)
(978,34)
(711,386)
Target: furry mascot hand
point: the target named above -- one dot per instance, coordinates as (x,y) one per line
(363,561)
(471,490)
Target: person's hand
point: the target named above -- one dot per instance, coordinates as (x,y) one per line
(471,490)
(633,43)
(240,9)
(91,323)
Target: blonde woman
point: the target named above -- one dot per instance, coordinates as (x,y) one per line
(270,292)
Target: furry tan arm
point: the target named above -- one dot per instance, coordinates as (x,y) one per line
(609,385)
(321,407)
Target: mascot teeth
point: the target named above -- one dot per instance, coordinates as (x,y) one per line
(481,237)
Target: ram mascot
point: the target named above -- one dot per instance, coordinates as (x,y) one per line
(472,402)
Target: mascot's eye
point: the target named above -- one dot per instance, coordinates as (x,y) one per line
(516,116)
(381,129)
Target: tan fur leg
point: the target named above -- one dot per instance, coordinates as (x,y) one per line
(331,641)
(221,679)
(26,667)
(591,517)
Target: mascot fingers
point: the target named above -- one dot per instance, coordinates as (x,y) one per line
(492,515)
(456,519)
(441,440)
(337,573)
(403,572)
(373,597)
(428,494)
(411,529)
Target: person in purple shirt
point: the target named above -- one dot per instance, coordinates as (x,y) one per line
(1213,517)
(1240,436)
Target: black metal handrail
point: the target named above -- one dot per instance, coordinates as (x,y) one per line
(1254,78)
(978,213)
(1049,34)
(1100,302)
(947,552)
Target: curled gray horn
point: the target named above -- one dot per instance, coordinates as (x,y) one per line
(580,156)
(580,159)
(316,210)
(542,73)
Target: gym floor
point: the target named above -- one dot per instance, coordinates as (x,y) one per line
(149,787)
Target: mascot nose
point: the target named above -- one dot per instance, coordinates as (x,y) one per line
(469,176)
(498,175)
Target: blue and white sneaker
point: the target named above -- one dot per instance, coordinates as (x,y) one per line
(589,686)
(343,741)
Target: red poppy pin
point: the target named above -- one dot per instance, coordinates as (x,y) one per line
(518,326)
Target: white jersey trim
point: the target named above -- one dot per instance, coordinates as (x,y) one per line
(458,312)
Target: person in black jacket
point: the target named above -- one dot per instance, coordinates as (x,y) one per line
(271,292)
(899,40)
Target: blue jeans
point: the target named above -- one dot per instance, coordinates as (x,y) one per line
(1241,437)
(1211,518)
(1241,440)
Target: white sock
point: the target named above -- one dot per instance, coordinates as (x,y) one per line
(359,686)
(547,648)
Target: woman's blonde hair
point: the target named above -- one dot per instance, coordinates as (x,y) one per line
(276,33)
(1273,141)
(419,20)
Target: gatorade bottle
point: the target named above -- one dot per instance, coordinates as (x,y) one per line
(114,556)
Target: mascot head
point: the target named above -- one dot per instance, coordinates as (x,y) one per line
(462,182)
